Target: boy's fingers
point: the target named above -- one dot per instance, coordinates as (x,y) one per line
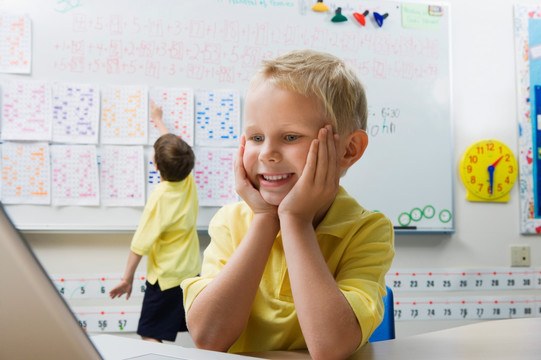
(241,178)
(336,140)
(331,154)
(240,153)
(332,142)
(310,168)
(322,156)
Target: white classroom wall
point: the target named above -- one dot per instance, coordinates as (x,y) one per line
(484,106)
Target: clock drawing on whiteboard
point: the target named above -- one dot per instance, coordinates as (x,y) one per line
(488,170)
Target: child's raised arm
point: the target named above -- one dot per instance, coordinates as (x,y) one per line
(156,115)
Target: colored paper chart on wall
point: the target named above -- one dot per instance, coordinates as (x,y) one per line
(122,176)
(15,43)
(177,105)
(75,179)
(217,117)
(528,68)
(124,115)
(26,110)
(26,173)
(153,176)
(214,176)
(76,113)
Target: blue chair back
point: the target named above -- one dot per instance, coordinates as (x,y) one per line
(385,330)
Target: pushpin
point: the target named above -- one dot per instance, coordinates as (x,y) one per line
(379,18)
(319,6)
(361,18)
(338,17)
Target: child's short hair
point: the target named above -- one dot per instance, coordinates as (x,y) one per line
(325,76)
(174,158)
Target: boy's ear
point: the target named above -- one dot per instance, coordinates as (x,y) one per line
(355,145)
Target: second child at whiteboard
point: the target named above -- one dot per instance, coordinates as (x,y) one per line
(167,234)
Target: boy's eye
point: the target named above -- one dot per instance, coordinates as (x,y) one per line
(257,138)
(291,137)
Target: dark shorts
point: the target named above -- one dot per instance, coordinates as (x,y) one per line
(162,314)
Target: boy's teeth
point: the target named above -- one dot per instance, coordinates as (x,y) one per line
(274,177)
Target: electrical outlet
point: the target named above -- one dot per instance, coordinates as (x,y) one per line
(520,255)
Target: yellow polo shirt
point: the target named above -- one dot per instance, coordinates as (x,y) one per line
(167,233)
(358,246)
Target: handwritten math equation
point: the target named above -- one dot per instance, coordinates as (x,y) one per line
(228,50)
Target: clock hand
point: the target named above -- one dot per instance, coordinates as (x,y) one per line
(496,162)
(491,175)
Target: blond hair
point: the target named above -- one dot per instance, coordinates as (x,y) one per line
(324,76)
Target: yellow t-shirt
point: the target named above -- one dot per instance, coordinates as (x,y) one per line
(167,233)
(358,246)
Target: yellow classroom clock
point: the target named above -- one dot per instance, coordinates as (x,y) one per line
(488,170)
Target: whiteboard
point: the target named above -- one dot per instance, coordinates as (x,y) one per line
(407,169)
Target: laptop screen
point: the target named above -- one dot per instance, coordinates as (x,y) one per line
(35,321)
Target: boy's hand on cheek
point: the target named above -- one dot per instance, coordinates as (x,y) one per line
(319,181)
(246,189)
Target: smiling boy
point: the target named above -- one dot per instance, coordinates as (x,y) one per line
(298,264)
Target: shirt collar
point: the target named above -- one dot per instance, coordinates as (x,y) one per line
(177,184)
(341,216)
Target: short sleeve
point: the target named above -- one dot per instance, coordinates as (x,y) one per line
(149,227)
(361,276)
(215,256)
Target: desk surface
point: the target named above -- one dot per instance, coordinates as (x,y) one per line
(491,340)
(120,348)
(497,339)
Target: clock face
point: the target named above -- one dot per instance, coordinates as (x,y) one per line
(488,170)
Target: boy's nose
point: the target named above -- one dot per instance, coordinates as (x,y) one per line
(269,153)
